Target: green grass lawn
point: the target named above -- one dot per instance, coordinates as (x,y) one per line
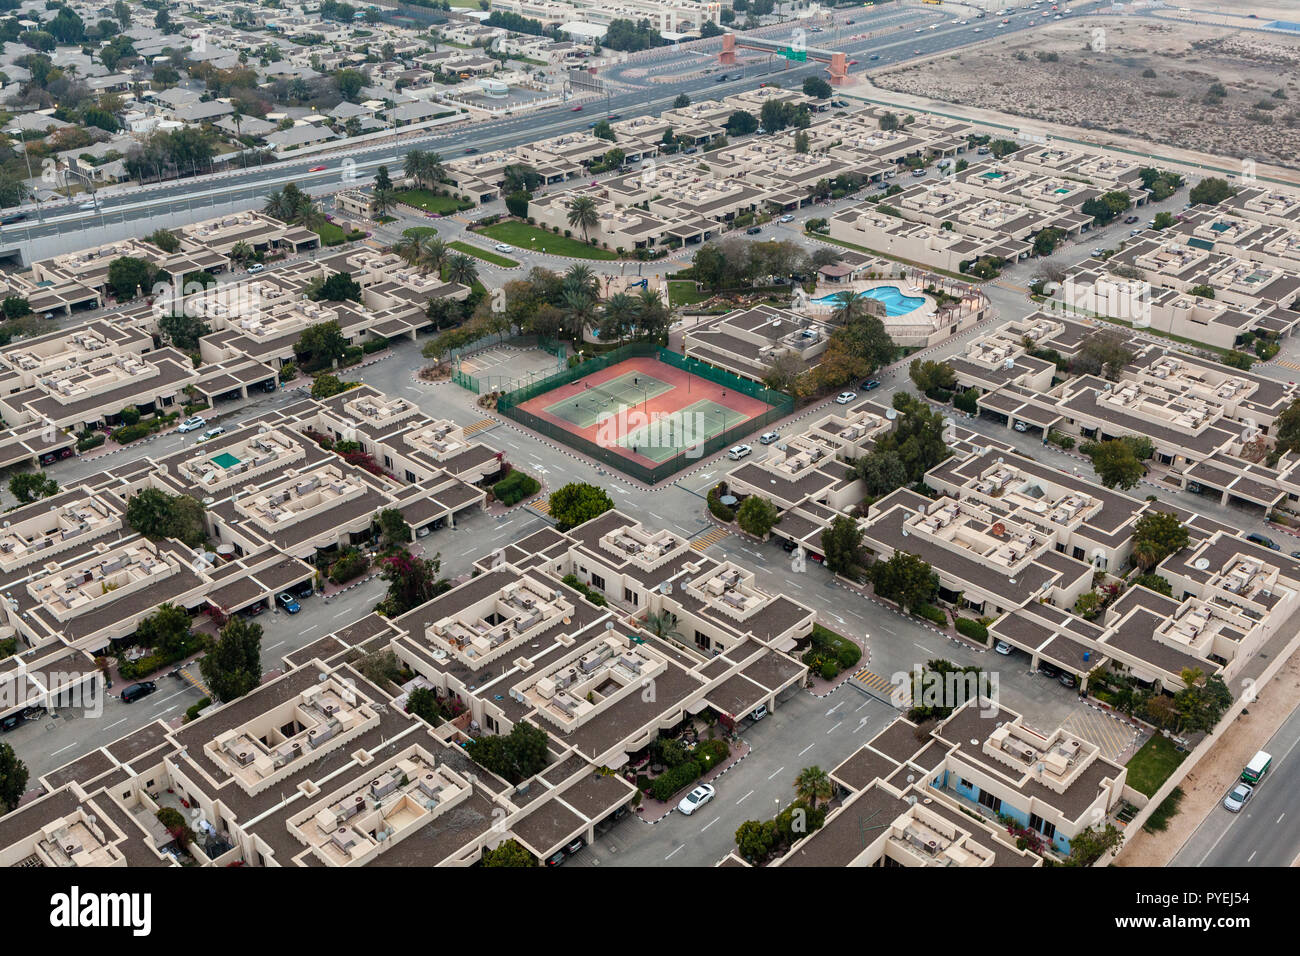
(522,235)
(330,234)
(683,292)
(483,254)
(1152,765)
(431,202)
(422,232)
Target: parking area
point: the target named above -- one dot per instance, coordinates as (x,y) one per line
(507,367)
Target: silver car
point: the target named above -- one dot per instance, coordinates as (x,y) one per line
(1238,797)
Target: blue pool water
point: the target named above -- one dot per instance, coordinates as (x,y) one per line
(895,302)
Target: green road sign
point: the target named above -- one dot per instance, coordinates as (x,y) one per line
(799,55)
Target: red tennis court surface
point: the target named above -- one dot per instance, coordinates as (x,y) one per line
(637,408)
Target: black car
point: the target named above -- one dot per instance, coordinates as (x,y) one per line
(576,844)
(133,692)
(869,384)
(10,722)
(789,545)
(753,231)
(1256,538)
(555,859)
(303,590)
(1047,670)
(12,218)
(470,150)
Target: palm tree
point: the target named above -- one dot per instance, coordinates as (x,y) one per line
(425,167)
(579,310)
(812,784)
(580,278)
(848,307)
(433,254)
(619,318)
(1146,554)
(410,248)
(663,624)
(461,269)
(583,214)
(382,200)
(241,252)
(652,314)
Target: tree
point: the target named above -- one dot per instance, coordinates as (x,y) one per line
(619,317)
(122,11)
(1211,191)
(15,307)
(30,486)
(663,624)
(1046,241)
(784,372)
(576,503)
(842,547)
(1106,207)
(520,177)
(1115,463)
(813,784)
(127,275)
(509,853)
(182,331)
(905,579)
(338,287)
(517,204)
(233,664)
(515,756)
(756,838)
(166,630)
(1202,701)
(1202,291)
(424,166)
(741,123)
(583,214)
(411,581)
(164,239)
(325,385)
(927,375)
(349,83)
(461,269)
(882,471)
(603,130)
(13,779)
(1156,535)
(319,345)
(1088,846)
(681,102)
(156,514)
(382,179)
(757,516)
(392,527)
(816,87)
(1103,351)
(66,27)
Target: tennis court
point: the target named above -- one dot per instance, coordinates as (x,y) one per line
(646,411)
(586,407)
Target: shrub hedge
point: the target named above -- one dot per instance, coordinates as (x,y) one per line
(932,614)
(973,629)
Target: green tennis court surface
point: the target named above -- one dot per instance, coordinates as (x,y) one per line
(226,460)
(674,432)
(586,406)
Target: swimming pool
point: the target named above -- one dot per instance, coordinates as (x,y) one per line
(895,302)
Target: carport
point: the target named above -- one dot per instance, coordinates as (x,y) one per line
(736,698)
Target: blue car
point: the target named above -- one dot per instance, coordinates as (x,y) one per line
(289,602)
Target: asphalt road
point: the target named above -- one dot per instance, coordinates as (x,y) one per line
(1266,832)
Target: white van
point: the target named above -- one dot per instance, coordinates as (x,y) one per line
(738,452)
(1257,767)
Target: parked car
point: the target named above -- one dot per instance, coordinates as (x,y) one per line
(768,437)
(1067,680)
(133,692)
(870,384)
(1129,220)
(753,230)
(192,424)
(89,206)
(555,859)
(256,267)
(786,218)
(843,398)
(502,247)
(1047,670)
(576,844)
(697,798)
(759,713)
(212,433)
(737,452)
(1020,427)
(302,591)
(1002,647)
(1238,797)
(1257,538)
(1098,251)
(288,602)
(788,545)
(11,721)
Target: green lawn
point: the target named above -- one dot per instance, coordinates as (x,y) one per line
(684,292)
(330,234)
(1152,765)
(522,235)
(483,254)
(431,202)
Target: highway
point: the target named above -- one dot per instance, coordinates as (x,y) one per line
(138,210)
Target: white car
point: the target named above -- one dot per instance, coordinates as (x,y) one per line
(768,437)
(256,267)
(192,424)
(502,247)
(843,398)
(89,206)
(786,218)
(737,452)
(212,433)
(696,799)
(1238,796)
(1002,647)
(1020,427)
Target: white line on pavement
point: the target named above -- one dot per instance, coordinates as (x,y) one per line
(837,723)
(61,749)
(744,798)
(675,852)
(806,749)
(170,696)
(775,772)
(115,723)
(710,823)
(835,708)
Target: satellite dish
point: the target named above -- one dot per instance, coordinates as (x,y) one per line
(891,414)
(1200,564)
(906,532)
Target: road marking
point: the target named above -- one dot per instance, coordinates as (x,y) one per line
(744,798)
(169,697)
(675,852)
(837,723)
(1279,819)
(806,749)
(1252,855)
(273,646)
(710,823)
(835,708)
(112,725)
(864,704)
(775,772)
(168,710)
(341,613)
(61,749)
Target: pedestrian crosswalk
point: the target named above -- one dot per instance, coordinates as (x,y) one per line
(541,505)
(196,681)
(1285,364)
(882,686)
(483,424)
(709,538)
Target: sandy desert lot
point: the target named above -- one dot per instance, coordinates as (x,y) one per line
(1215,89)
